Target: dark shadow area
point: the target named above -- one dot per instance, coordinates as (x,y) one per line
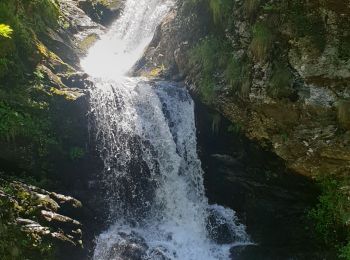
(268,198)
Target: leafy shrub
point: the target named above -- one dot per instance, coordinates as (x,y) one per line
(344,252)
(332,214)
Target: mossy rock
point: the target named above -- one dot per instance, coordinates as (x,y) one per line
(344,113)
(88,41)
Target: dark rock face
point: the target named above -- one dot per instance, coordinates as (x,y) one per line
(130,247)
(266,253)
(172,39)
(302,125)
(265,173)
(218,229)
(270,200)
(102,12)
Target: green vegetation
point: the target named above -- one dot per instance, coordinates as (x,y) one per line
(215,57)
(261,42)
(23,21)
(17,124)
(268,29)
(25,122)
(206,53)
(280,84)
(5,31)
(306,23)
(250,7)
(14,243)
(344,113)
(235,129)
(76,153)
(220,9)
(331,216)
(269,40)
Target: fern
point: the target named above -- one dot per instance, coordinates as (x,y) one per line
(5,31)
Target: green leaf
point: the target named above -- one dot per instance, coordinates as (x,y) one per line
(5,31)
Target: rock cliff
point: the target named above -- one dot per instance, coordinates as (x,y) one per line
(275,74)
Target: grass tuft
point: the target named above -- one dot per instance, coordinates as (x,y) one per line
(261,42)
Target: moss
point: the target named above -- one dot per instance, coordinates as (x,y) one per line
(280,83)
(344,46)
(14,243)
(66,93)
(88,41)
(156,72)
(344,113)
(308,24)
(237,75)
(250,7)
(46,53)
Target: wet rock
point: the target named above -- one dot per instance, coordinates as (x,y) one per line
(66,200)
(267,198)
(317,86)
(157,254)
(129,247)
(59,220)
(103,12)
(76,80)
(35,211)
(248,252)
(46,201)
(219,231)
(82,33)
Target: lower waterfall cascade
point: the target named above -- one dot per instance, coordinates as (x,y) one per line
(146,135)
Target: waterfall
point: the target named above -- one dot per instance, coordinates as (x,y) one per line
(145,133)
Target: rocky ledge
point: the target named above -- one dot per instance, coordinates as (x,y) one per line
(303,118)
(43,216)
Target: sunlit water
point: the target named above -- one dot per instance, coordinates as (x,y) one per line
(146,136)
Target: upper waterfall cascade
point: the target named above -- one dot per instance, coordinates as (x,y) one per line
(146,135)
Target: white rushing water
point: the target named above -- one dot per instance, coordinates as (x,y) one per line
(145,131)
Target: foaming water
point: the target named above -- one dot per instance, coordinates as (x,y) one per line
(146,135)
(124,43)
